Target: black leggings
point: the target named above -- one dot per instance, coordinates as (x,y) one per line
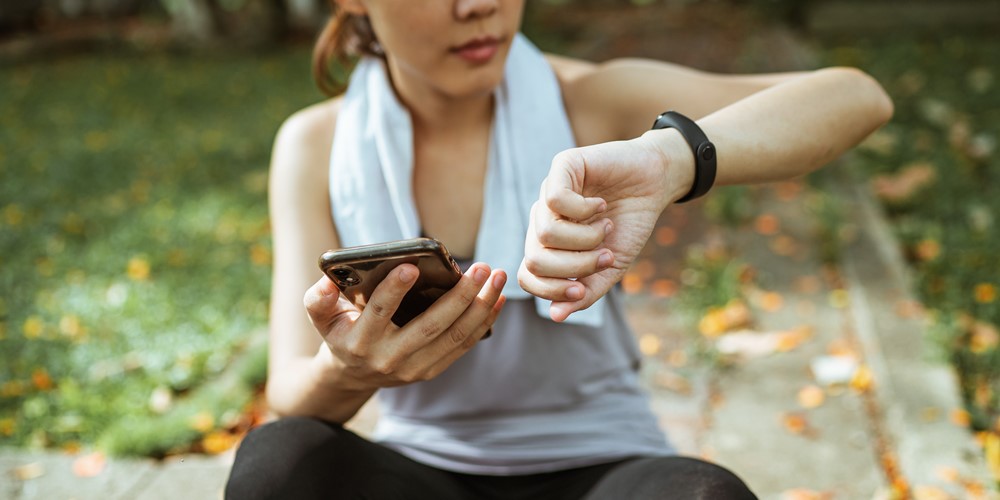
(302,458)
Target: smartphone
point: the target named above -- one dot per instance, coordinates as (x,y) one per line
(358,270)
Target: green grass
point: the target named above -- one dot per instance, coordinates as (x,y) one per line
(947,98)
(134,240)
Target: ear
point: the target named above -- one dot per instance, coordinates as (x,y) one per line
(355,7)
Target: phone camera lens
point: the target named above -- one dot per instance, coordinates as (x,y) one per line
(341,272)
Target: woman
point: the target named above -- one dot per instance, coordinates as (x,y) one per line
(447,129)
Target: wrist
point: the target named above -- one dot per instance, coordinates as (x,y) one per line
(676,160)
(329,372)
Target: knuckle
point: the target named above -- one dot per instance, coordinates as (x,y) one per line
(532,264)
(379,309)
(470,341)
(545,233)
(386,366)
(429,329)
(356,348)
(457,334)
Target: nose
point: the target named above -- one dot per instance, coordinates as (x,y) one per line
(470,9)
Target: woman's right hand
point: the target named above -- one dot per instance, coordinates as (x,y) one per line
(369,351)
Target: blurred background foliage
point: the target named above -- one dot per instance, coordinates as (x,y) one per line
(134,142)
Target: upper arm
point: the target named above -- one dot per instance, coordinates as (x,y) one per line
(301,226)
(620,99)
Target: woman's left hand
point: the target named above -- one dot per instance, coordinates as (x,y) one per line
(596,210)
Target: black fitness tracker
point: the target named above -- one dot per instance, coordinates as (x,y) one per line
(703,149)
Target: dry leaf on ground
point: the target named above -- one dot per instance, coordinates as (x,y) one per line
(89,465)
(811,396)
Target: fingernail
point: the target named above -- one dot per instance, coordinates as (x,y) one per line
(605,260)
(608,227)
(480,276)
(406,275)
(574,293)
(602,206)
(499,280)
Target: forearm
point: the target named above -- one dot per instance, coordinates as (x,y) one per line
(786,130)
(311,386)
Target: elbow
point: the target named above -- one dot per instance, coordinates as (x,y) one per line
(869,95)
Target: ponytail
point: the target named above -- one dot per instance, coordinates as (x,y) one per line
(344,37)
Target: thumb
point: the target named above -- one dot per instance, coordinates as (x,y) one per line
(324,305)
(562,191)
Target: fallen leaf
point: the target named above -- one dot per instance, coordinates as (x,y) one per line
(924,492)
(217,442)
(649,344)
(664,288)
(89,465)
(202,422)
(30,471)
(771,301)
(804,494)
(796,423)
(631,283)
(863,379)
(767,224)
(960,417)
(839,298)
(947,473)
(904,184)
(672,382)
(677,358)
(808,284)
(666,236)
(811,396)
(784,245)
(788,340)
(985,293)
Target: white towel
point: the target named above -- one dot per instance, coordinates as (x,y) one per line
(371,166)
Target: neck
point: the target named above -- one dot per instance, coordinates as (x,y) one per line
(434,112)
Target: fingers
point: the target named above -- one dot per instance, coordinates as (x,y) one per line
(557,289)
(555,232)
(385,300)
(439,317)
(551,263)
(562,190)
(470,327)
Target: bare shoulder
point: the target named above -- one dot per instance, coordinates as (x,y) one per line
(310,130)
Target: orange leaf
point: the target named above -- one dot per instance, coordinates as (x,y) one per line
(218,442)
(811,396)
(863,379)
(767,224)
(649,344)
(960,417)
(795,423)
(41,379)
(666,236)
(89,465)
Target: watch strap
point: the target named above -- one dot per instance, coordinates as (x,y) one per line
(701,147)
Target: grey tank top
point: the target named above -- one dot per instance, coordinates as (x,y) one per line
(537,396)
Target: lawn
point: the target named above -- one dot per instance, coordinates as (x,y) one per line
(935,168)
(134,240)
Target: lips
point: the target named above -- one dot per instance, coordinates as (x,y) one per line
(478,50)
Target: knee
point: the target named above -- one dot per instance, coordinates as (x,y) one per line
(673,477)
(710,481)
(279,454)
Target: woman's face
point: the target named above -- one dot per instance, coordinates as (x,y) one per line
(452,47)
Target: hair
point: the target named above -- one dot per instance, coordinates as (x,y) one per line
(344,37)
